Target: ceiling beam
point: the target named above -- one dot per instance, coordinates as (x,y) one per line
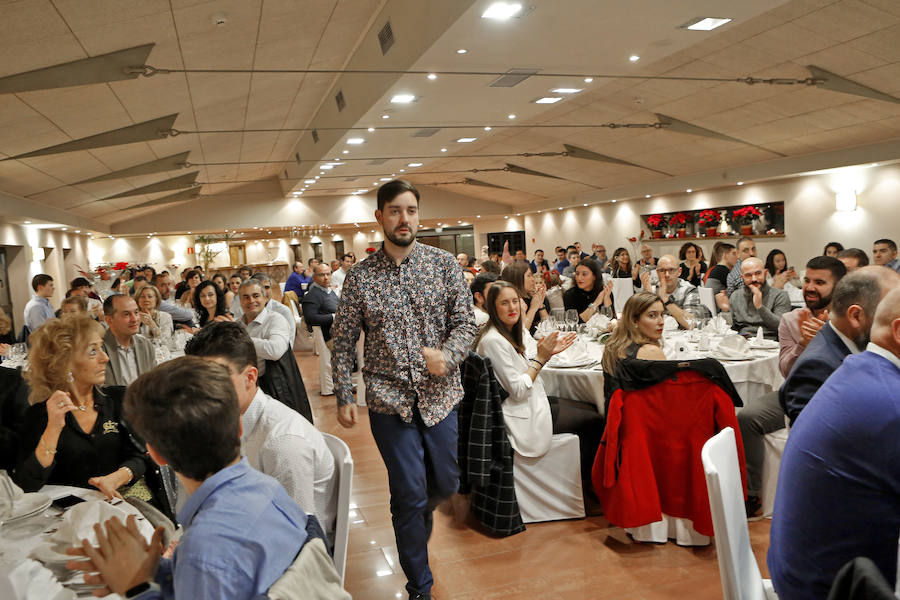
(175,162)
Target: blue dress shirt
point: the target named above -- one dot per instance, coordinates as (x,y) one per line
(241,533)
(295,284)
(37,311)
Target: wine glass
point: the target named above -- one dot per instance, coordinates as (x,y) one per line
(689,319)
(558,318)
(571,319)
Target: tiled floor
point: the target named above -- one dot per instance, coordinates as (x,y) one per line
(582,559)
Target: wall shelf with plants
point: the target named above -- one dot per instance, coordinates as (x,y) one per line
(750,220)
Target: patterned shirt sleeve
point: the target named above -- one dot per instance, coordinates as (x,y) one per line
(345,333)
(460,320)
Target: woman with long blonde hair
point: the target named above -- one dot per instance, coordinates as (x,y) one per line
(73,432)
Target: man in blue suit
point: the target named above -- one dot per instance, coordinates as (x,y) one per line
(839,486)
(847,332)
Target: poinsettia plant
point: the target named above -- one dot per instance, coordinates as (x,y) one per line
(679,219)
(746,214)
(656,222)
(709,218)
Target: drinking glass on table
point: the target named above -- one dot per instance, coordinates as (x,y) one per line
(689,319)
(558,318)
(571,319)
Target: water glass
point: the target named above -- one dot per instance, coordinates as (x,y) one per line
(571,319)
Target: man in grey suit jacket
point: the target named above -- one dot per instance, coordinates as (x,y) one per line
(130,353)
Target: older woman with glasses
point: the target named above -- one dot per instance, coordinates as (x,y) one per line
(155,324)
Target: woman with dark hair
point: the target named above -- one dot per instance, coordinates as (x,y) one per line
(588,293)
(777,271)
(116,286)
(211,305)
(724,259)
(73,432)
(531,417)
(621,264)
(692,266)
(186,299)
(533,295)
(832,249)
(638,334)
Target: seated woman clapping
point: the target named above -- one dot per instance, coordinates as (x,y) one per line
(531,417)
(211,305)
(588,294)
(155,324)
(73,432)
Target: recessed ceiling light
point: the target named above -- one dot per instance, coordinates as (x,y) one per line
(510,116)
(297,193)
(588,79)
(689,190)
(613,201)
(518,214)
(432,76)
(371,129)
(463,141)
(385,116)
(646,195)
(345,152)
(326,167)
(65,228)
(356,141)
(28,222)
(316,177)
(414,165)
(547,100)
(403,170)
(585,204)
(477,216)
(309,181)
(501,11)
(77,231)
(634,58)
(540,211)
(443,149)
(705,23)
(740,183)
(874,165)
(559,208)
(487,128)
(505,216)
(566,90)
(402,98)
(461,51)
(384,179)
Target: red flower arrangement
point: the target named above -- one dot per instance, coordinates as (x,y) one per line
(679,219)
(120,266)
(747,214)
(656,222)
(708,218)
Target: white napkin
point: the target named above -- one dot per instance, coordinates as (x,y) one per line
(676,348)
(575,354)
(9,494)
(78,522)
(759,334)
(545,327)
(733,346)
(669,323)
(718,325)
(30,580)
(599,322)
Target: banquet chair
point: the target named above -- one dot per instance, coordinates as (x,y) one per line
(302,339)
(311,576)
(774,444)
(548,487)
(343,463)
(326,383)
(647,473)
(741,579)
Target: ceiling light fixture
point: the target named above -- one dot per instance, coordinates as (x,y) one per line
(385,116)
(402,99)
(384,179)
(613,201)
(432,76)
(646,195)
(462,141)
(443,149)
(740,183)
(461,51)
(356,141)
(501,11)
(345,152)
(548,100)
(510,116)
(488,128)
(326,167)
(371,129)
(28,222)
(316,177)
(309,181)
(634,58)
(77,231)
(585,204)
(414,165)
(689,190)
(705,23)
(588,79)
(567,90)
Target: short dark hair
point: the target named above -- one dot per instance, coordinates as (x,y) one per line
(192,273)
(837,268)
(859,287)
(890,243)
(309,262)
(80,282)
(538,250)
(481,281)
(392,189)
(489,266)
(39,280)
(221,309)
(682,252)
(570,247)
(187,410)
(109,305)
(862,259)
(140,278)
(347,255)
(744,239)
(836,245)
(226,340)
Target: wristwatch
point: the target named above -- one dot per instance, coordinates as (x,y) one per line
(669,301)
(140,589)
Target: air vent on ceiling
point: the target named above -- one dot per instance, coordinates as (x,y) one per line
(315,136)
(513,77)
(386,38)
(339,100)
(378,161)
(426,132)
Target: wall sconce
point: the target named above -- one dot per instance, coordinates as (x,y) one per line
(37,253)
(845,201)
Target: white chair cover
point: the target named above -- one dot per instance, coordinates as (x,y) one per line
(623,289)
(548,487)
(343,464)
(774,444)
(669,528)
(708,299)
(740,575)
(326,383)
(302,338)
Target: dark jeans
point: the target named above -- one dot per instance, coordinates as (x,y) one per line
(422,471)
(582,419)
(760,416)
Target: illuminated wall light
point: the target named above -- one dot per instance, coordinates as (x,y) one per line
(646,195)
(845,201)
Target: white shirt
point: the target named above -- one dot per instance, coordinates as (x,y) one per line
(271,336)
(337,280)
(281,443)
(238,313)
(851,345)
(128,362)
(526,412)
(481,317)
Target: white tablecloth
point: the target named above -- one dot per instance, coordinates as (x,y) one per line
(751,378)
(17,541)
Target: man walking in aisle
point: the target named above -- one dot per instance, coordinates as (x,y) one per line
(416,310)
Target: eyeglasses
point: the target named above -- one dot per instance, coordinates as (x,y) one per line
(666,271)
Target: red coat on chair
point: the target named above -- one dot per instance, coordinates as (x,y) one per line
(649,460)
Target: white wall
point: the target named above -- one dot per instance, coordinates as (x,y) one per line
(811,220)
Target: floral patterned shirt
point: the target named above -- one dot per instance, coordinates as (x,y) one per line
(422,302)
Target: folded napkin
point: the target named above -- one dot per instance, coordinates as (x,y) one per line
(78,522)
(669,323)
(718,325)
(760,336)
(545,327)
(575,354)
(733,346)
(30,580)
(10,493)
(599,322)
(676,348)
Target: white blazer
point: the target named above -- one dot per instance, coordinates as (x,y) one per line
(526,412)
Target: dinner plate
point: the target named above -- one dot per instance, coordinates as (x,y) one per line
(27,506)
(52,554)
(718,356)
(763,344)
(572,365)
